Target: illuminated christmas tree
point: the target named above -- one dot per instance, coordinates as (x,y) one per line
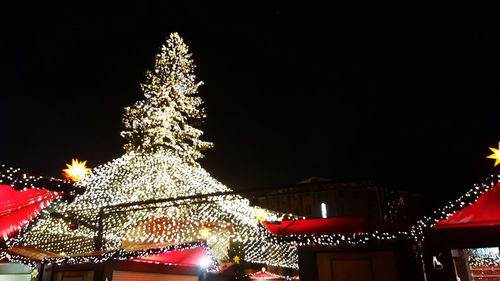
(177,200)
(166,117)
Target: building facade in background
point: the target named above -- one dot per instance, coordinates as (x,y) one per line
(320,197)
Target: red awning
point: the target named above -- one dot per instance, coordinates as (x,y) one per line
(329,226)
(264,275)
(19,207)
(196,256)
(484,212)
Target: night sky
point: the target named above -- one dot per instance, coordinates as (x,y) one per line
(403,93)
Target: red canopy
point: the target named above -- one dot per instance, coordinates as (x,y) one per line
(264,275)
(196,256)
(329,226)
(19,207)
(484,212)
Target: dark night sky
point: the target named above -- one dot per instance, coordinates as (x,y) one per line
(403,93)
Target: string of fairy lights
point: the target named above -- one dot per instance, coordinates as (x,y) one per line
(470,197)
(14,258)
(120,254)
(20,180)
(491,260)
(13,240)
(299,240)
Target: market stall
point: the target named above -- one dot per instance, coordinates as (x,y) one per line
(463,244)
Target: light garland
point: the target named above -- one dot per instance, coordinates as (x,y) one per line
(491,260)
(16,239)
(470,197)
(13,258)
(128,255)
(21,181)
(299,240)
(259,275)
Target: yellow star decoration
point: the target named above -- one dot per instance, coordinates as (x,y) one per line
(495,155)
(236,259)
(204,233)
(76,170)
(34,273)
(260,214)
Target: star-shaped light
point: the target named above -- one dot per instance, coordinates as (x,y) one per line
(204,233)
(236,259)
(34,273)
(76,171)
(260,214)
(495,155)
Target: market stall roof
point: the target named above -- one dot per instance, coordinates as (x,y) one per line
(20,207)
(197,257)
(192,254)
(330,226)
(265,275)
(24,196)
(32,253)
(20,180)
(484,212)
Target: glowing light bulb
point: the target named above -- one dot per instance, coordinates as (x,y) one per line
(260,214)
(204,233)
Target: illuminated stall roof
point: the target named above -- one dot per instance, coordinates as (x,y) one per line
(194,254)
(265,275)
(484,212)
(329,226)
(24,196)
(32,253)
(196,257)
(20,207)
